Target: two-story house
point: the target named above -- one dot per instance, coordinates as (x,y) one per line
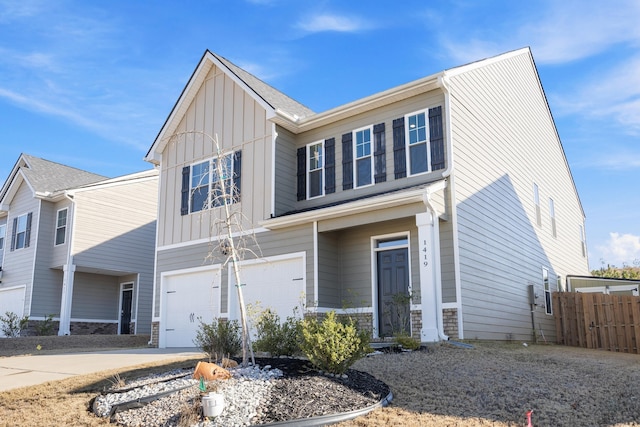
(444,207)
(79,247)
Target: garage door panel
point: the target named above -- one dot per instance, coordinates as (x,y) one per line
(276,285)
(12,300)
(189,297)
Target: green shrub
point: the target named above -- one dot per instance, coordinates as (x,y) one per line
(220,338)
(46,327)
(331,345)
(406,342)
(275,337)
(11,324)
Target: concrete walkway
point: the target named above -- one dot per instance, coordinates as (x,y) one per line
(21,371)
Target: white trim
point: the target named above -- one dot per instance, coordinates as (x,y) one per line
(274,138)
(375,310)
(354,144)
(427,143)
(447,305)
(484,62)
(66,227)
(321,168)
(119,314)
(324,310)
(208,240)
(315,263)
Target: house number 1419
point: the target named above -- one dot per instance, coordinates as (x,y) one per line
(425,262)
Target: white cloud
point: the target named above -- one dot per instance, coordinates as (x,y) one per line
(620,249)
(328,22)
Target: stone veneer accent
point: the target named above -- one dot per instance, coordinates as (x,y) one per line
(416,323)
(155,334)
(90,328)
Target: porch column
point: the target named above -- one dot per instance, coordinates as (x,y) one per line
(66,300)
(428,244)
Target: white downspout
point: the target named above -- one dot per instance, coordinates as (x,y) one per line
(69,269)
(443,80)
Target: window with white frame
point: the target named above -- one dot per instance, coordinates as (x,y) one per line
(61,226)
(547,291)
(583,242)
(21,232)
(536,201)
(212,183)
(560,284)
(315,170)
(552,217)
(363,156)
(418,143)
(3,231)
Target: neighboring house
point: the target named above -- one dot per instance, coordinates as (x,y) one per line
(78,246)
(603,285)
(453,189)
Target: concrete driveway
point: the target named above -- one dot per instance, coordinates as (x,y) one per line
(21,371)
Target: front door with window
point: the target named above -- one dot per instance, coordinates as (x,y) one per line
(125,311)
(393,292)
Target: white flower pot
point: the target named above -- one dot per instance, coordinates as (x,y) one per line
(212,404)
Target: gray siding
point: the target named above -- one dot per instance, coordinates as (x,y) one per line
(95,297)
(285,172)
(3,221)
(18,264)
(384,115)
(447,264)
(296,239)
(504,142)
(59,252)
(47,283)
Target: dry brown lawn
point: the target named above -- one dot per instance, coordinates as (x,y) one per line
(490,385)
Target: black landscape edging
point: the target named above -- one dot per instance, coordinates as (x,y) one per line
(323,420)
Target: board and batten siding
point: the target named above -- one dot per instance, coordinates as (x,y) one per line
(504,142)
(17,268)
(285,172)
(269,244)
(221,108)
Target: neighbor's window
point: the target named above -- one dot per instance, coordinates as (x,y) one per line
(418,139)
(547,291)
(21,232)
(363,156)
(213,183)
(61,226)
(3,231)
(315,170)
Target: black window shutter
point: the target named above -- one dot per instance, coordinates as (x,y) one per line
(27,234)
(13,233)
(399,154)
(184,202)
(330,165)
(237,172)
(436,137)
(379,153)
(302,173)
(347,161)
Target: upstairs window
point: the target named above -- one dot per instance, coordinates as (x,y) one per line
(211,183)
(536,202)
(363,157)
(21,234)
(61,227)
(418,143)
(552,217)
(418,155)
(315,170)
(3,231)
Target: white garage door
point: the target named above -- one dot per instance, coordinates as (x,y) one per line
(187,297)
(12,300)
(276,283)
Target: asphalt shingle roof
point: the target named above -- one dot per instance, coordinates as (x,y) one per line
(44,175)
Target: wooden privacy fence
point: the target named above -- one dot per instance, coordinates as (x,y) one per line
(599,321)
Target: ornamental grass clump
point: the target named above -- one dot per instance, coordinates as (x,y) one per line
(275,337)
(331,345)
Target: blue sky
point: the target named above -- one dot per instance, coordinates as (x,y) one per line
(89,84)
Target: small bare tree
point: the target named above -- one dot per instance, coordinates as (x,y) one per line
(214,186)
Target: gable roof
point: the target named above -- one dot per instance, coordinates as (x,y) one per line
(270,98)
(44,177)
